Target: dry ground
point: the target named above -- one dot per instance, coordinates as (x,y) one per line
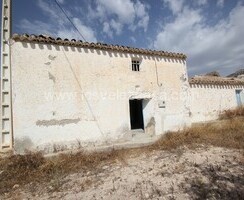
(202,162)
(213,172)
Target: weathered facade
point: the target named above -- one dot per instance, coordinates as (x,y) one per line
(67,94)
(72,92)
(58,94)
(211,95)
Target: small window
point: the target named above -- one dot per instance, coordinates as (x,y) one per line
(135,65)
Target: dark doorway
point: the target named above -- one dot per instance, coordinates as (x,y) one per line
(136,114)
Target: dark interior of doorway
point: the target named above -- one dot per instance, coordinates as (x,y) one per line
(136,114)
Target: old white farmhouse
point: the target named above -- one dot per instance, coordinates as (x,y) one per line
(61,93)
(64,91)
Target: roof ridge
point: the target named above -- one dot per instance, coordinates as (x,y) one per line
(103,46)
(215,80)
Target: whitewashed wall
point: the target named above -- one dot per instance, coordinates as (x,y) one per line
(68,95)
(208,101)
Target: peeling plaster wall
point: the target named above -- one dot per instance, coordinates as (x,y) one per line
(208,101)
(68,94)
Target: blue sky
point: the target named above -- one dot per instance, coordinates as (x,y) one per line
(210,32)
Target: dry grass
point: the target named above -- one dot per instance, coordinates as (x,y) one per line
(230,114)
(33,167)
(226,133)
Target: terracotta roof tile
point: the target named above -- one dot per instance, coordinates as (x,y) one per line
(215,80)
(50,40)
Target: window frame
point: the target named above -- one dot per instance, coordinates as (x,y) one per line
(135,65)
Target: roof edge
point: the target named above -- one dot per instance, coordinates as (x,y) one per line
(102,46)
(200,80)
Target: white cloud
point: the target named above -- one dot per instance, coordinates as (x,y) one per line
(112,16)
(123,9)
(142,15)
(119,14)
(208,47)
(86,31)
(50,10)
(220,3)
(140,9)
(133,39)
(174,5)
(61,1)
(57,25)
(107,29)
(117,26)
(143,23)
(111,27)
(35,27)
(202,2)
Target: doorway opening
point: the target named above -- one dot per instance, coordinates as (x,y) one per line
(136,114)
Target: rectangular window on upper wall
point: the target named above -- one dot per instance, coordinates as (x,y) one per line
(135,64)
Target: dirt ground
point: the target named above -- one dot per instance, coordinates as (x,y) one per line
(202,173)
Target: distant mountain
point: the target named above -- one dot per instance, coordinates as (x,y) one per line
(237,73)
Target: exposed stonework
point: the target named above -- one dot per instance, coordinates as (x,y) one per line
(54,122)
